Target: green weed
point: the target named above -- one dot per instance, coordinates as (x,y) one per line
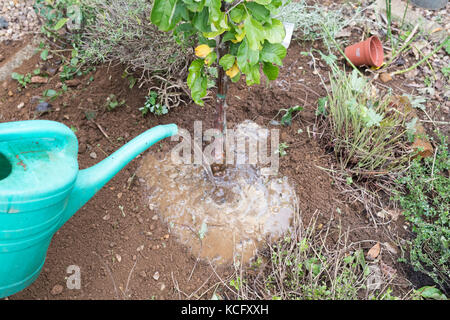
(425,198)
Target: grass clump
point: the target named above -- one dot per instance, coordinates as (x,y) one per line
(309,20)
(313,263)
(425,199)
(368,135)
(122,33)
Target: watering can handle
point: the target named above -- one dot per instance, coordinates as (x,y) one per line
(38,129)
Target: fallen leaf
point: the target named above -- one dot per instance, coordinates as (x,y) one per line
(385,77)
(374,251)
(388,271)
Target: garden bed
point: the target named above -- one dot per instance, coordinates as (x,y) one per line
(124,249)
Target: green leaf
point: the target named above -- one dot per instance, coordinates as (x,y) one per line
(274,53)
(429,292)
(227,61)
(263,2)
(238,14)
(162,13)
(275,32)
(254,33)
(17,76)
(286,120)
(236,78)
(44,54)
(49,93)
(215,13)
(246,57)
(195,5)
(258,11)
(270,71)
(322,106)
(201,21)
(253,76)
(197,81)
(370,117)
(357,83)
(60,24)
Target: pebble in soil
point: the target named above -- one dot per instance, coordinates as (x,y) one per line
(230,217)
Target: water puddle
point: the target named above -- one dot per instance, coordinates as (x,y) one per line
(219,220)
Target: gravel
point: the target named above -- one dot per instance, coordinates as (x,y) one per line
(17,19)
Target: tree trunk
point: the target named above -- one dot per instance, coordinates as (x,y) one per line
(220,122)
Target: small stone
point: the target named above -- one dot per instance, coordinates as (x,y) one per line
(140,248)
(3,23)
(119,195)
(162,286)
(385,77)
(118,257)
(106,217)
(166,236)
(10,93)
(52,71)
(156,276)
(58,289)
(43,107)
(93,155)
(143,274)
(21,105)
(155,217)
(38,79)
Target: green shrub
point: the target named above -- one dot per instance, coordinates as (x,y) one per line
(122,32)
(311,264)
(425,198)
(367,134)
(58,14)
(309,20)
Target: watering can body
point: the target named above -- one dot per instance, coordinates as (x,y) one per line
(41,187)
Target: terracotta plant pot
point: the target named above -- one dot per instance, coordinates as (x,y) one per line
(368,52)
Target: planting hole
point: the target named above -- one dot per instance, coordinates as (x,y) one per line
(219,220)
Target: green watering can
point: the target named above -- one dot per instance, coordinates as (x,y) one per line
(41,188)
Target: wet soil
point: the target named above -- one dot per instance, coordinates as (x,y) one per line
(121,244)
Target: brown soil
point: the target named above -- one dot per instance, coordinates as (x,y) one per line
(99,232)
(10,48)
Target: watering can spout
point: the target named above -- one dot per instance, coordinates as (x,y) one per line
(91,180)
